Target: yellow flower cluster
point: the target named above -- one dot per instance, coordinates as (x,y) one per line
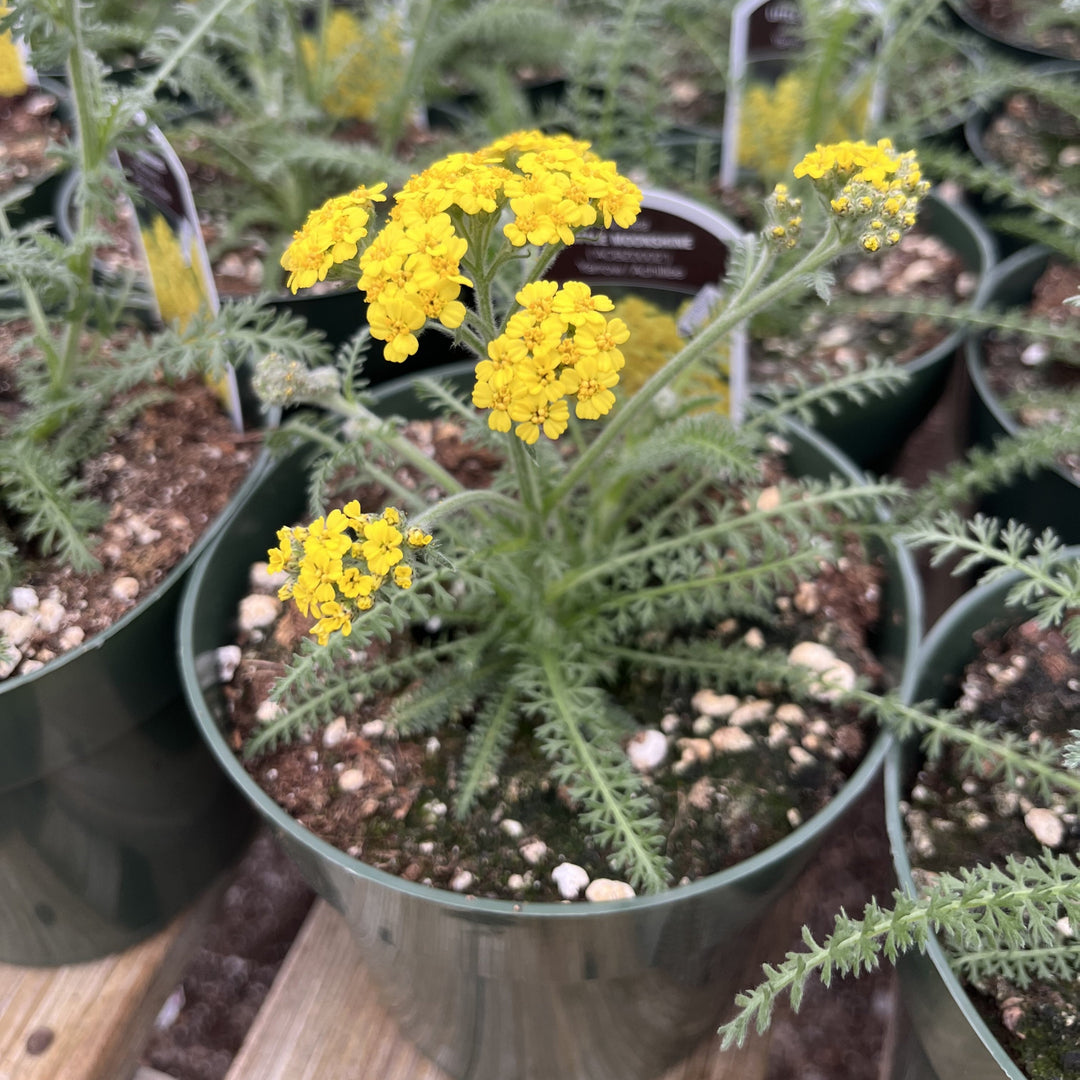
(331,235)
(337,564)
(558,345)
(364,57)
(772,121)
(553,185)
(874,186)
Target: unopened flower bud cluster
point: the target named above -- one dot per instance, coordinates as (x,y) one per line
(278,381)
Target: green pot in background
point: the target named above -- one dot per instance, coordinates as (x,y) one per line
(991,208)
(113,815)
(1050,499)
(872,433)
(940,1034)
(491,989)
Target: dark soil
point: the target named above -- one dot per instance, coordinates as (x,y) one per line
(28,125)
(385,799)
(163,478)
(1025,681)
(814,340)
(1041,25)
(1019,368)
(1037,142)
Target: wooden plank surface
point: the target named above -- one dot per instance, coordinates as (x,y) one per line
(322,1020)
(89,1021)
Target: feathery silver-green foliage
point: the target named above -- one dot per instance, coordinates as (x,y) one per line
(991,919)
(85,347)
(992,914)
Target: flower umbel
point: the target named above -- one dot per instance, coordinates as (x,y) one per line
(337,564)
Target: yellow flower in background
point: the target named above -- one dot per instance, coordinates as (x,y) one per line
(175,272)
(359,61)
(772,122)
(12,69)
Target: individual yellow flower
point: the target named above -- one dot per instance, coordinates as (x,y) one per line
(333,618)
(394,319)
(416,537)
(382,546)
(403,577)
(577,304)
(535,414)
(596,378)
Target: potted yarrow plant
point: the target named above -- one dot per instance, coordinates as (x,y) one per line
(113,816)
(583,556)
(980,799)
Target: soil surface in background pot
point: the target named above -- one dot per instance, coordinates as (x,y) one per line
(732,775)
(163,479)
(1018,368)
(1025,681)
(1042,24)
(814,340)
(28,124)
(1037,142)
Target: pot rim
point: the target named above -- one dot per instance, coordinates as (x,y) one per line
(973,356)
(961,611)
(804,834)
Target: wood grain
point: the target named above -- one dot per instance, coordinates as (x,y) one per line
(89,1021)
(322,1020)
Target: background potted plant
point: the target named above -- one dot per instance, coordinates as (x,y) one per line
(113,815)
(985,916)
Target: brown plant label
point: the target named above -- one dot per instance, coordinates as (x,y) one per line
(767,41)
(676,254)
(171,241)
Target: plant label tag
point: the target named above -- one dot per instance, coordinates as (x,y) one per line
(674,256)
(769,64)
(169,235)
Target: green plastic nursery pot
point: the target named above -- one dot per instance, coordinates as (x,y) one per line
(113,815)
(871,433)
(492,989)
(989,207)
(941,1035)
(1050,499)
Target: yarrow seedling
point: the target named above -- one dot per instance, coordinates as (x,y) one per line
(604,543)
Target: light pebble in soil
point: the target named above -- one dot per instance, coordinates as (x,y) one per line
(336,732)
(570,879)
(124,588)
(258,611)
(836,675)
(461,880)
(23,599)
(647,749)
(731,740)
(607,889)
(1045,826)
(751,711)
(534,851)
(16,629)
(710,703)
